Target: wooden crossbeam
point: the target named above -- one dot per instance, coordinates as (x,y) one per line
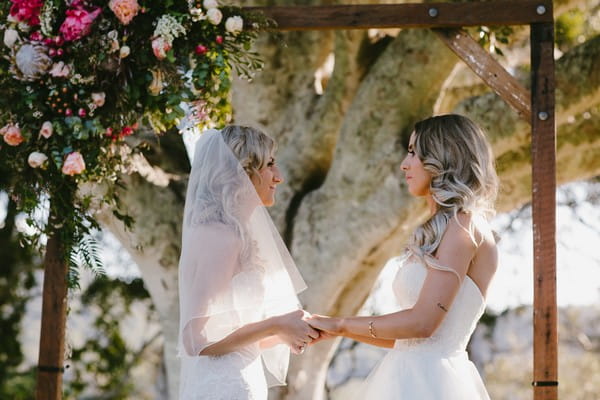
(488,69)
(429,15)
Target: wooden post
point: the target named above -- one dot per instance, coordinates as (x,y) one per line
(54,316)
(543,147)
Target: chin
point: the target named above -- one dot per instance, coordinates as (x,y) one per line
(269,203)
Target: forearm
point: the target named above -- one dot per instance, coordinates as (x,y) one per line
(242,337)
(270,341)
(390,327)
(387,343)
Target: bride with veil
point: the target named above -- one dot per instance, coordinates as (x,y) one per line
(239,314)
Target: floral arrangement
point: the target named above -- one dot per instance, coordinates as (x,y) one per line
(79,76)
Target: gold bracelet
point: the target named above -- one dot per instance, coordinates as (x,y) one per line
(371,330)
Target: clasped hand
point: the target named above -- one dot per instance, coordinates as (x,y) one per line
(300,329)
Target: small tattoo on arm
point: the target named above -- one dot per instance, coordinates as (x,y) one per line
(442,307)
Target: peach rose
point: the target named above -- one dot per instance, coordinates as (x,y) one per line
(12,135)
(124,10)
(160,47)
(74,164)
(46,130)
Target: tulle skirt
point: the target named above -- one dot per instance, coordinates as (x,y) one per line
(424,375)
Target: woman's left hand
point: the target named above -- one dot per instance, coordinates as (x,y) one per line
(329,325)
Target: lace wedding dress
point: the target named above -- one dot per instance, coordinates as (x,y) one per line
(234,376)
(434,368)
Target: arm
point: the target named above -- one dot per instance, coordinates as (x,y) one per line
(209,316)
(290,328)
(439,289)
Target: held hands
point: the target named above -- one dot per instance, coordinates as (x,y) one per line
(329,326)
(294,330)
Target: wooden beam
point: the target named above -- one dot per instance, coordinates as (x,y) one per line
(488,69)
(54,317)
(543,157)
(429,15)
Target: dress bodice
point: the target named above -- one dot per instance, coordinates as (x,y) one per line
(455,330)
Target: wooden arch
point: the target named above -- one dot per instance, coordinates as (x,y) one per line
(537,107)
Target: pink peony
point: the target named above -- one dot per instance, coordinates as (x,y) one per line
(27,11)
(46,130)
(124,10)
(78,23)
(74,164)
(160,47)
(12,135)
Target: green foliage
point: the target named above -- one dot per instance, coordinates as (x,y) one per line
(16,281)
(494,38)
(69,100)
(104,362)
(568,28)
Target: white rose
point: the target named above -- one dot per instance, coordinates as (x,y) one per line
(214,16)
(36,159)
(47,129)
(10,37)
(113,35)
(208,4)
(98,99)
(234,24)
(60,70)
(124,52)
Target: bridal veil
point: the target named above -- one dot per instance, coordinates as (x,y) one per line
(234,267)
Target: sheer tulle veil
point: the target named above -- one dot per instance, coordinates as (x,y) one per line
(234,267)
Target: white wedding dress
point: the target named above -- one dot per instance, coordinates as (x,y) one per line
(434,368)
(237,375)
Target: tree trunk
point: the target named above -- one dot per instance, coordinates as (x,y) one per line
(344,209)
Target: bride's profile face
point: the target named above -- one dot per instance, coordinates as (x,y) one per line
(266,182)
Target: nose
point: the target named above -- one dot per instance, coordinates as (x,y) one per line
(277,176)
(404,164)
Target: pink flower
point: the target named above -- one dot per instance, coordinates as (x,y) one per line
(201,50)
(46,130)
(126,131)
(124,10)
(12,135)
(27,11)
(36,36)
(74,164)
(78,23)
(160,47)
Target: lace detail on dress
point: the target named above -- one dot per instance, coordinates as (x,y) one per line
(236,375)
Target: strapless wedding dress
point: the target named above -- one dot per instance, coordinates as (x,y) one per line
(433,368)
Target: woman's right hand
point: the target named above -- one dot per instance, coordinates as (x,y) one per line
(293,329)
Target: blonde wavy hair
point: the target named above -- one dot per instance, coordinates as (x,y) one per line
(463,177)
(251,147)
